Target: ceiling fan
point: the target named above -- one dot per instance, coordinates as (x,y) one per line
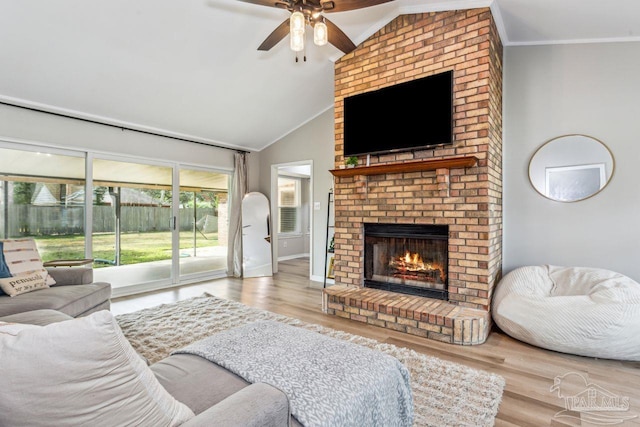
(312,13)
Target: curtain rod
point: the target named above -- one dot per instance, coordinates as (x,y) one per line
(177,138)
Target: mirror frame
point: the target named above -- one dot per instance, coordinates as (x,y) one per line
(555,139)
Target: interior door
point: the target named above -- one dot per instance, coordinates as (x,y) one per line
(256,238)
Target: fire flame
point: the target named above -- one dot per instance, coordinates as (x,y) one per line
(412,262)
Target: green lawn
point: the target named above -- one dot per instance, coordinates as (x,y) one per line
(135,247)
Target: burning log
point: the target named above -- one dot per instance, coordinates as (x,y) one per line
(412,267)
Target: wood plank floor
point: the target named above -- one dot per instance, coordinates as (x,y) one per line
(529,371)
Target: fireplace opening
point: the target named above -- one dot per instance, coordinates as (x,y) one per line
(407,258)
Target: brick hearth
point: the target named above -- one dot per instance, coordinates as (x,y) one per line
(425,317)
(467,199)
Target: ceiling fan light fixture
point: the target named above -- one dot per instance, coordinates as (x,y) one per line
(320,37)
(297,40)
(296,21)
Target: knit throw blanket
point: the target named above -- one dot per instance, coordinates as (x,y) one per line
(329,382)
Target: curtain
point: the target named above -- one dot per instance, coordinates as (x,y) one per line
(238,190)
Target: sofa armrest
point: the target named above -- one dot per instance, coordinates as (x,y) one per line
(257,405)
(71,275)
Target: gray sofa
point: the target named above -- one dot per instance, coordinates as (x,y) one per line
(74,294)
(217,396)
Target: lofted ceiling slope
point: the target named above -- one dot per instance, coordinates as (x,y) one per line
(191,69)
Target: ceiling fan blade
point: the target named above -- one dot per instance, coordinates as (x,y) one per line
(338,38)
(278,34)
(345,5)
(270,3)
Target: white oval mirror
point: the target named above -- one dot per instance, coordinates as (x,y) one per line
(570,168)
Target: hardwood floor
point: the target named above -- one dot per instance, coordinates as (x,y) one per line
(529,371)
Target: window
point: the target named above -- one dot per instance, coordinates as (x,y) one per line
(38,199)
(288,205)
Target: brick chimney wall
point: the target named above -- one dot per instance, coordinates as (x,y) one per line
(469,200)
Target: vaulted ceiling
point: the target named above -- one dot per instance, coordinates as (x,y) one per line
(191,68)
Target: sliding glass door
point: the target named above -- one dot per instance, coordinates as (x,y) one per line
(41,197)
(202,222)
(132,222)
(145,224)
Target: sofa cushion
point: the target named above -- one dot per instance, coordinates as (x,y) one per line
(106,305)
(37,317)
(72,300)
(21,256)
(190,378)
(22,283)
(80,372)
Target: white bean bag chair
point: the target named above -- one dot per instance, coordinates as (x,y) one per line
(584,311)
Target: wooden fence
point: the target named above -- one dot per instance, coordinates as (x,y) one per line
(28,220)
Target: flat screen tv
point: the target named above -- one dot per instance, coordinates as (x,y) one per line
(408,116)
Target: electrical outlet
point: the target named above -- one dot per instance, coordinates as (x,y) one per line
(284,244)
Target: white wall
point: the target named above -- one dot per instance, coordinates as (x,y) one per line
(313,141)
(70,133)
(550,91)
(253,173)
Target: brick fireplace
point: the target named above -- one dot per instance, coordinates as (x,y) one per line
(407,258)
(458,186)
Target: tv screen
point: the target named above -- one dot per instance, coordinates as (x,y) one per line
(407,116)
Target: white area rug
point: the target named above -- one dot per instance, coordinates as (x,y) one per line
(444,393)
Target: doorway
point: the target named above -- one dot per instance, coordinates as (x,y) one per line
(291,212)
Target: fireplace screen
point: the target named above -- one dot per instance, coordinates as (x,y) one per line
(404,258)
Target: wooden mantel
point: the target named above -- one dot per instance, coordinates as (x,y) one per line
(424,165)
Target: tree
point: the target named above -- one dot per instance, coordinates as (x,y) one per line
(23,192)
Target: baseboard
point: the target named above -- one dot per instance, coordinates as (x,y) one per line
(141,288)
(317,282)
(288,257)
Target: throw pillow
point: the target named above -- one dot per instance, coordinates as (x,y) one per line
(80,372)
(21,256)
(22,283)
(4,268)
